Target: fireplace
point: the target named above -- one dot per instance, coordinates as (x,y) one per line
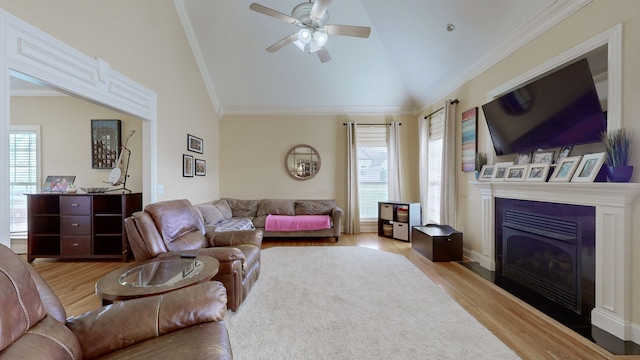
(541,253)
(549,249)
(606,253)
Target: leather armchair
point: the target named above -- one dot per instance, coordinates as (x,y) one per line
(183,324)
(169,227)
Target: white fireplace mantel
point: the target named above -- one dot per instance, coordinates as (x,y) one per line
(614,203)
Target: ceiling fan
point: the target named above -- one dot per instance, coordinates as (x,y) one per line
(311,18)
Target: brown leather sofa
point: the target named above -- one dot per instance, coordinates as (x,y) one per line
(183,324)
(169,227)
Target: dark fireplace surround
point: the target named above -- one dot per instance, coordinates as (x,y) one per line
(548,248)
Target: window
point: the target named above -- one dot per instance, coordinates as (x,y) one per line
(436,136)
(23,173)
(373,168)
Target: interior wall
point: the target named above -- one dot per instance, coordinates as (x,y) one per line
(594,19)
(253,149)
(145,41)
(65,129)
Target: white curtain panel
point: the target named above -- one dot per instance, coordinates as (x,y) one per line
(438,189)
(423,164)
(352,215)
(394,161)
(448,197)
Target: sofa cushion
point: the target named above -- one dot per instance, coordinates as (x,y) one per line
(211,215)
(224,208)
(315,207)
(259,221)
(276,207)
(243,208)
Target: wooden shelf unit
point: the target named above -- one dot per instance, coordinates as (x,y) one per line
(80,226)
(399,227)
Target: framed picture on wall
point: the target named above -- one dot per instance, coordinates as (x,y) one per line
(105,143)
(201,167)
(469,139)
(187,165)
(194,144)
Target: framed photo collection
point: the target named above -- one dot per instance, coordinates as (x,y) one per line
(539,167)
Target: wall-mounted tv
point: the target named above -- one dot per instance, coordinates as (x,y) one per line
(559,109)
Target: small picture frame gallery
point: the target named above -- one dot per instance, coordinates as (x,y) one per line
(191,166)
(581,168)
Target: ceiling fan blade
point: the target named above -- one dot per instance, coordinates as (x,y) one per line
(275,14)
(280,44)
(348,30)
(319,8)
(324,56)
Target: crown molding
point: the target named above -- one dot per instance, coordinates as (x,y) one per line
(317,110)
(553,14)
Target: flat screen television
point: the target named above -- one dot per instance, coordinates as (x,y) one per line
(559,109)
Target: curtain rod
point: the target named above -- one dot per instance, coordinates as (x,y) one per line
(365,124)
(454,101)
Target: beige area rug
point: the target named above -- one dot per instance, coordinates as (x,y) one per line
(353,303)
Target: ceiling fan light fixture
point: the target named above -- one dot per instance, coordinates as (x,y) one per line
(305,35)
(320,38)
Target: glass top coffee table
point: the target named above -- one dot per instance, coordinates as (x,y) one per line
(155,276)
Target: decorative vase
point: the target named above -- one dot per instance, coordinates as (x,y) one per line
(477,175)
(619,173)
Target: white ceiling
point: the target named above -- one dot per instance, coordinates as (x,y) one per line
(409,61)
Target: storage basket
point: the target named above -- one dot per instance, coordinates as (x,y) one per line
(403,215)
(387,229)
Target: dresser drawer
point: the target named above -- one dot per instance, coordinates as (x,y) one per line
(75,225)
(75,205)
(75,245)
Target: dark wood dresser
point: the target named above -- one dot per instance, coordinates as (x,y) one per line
(80,226)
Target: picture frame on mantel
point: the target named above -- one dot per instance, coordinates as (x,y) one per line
(565,168)
(588,168)
(469,139)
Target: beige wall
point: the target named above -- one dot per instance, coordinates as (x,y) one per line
(143,40)
(253,148)
(65,129)
(595,18)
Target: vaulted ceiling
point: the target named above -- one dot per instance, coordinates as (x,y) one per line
(409,61)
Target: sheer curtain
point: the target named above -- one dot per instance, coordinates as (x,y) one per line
(394,161)
(437,171)
(352,215)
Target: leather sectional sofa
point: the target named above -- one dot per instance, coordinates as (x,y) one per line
(228,210)
(182,324)
(168,227)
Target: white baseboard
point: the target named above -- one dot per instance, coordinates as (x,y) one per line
(19,246)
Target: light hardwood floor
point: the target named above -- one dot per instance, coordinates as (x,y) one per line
(530,333)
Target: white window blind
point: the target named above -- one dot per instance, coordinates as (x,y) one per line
(373,168)
(23,173)
(436,135)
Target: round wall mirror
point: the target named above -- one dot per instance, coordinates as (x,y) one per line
(302,162)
